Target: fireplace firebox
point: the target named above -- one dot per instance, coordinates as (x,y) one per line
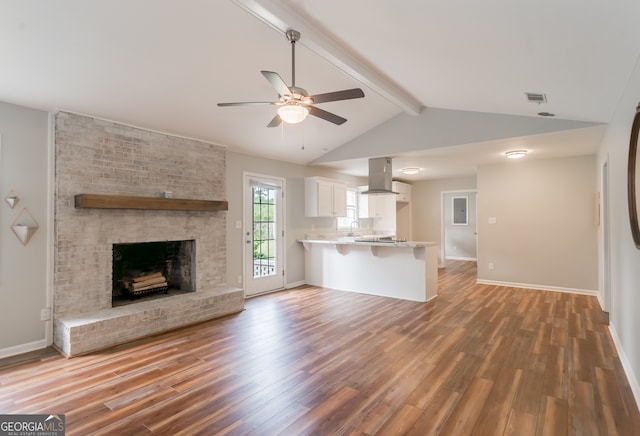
(144,270)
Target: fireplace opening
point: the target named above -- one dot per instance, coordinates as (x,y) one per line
(149,270)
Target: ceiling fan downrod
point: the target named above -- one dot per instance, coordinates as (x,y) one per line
(293,36)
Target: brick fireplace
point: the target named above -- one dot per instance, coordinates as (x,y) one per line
(101,157)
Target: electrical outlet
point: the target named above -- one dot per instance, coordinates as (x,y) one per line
(238,224)
(239,279)
(491,266)
(45,314)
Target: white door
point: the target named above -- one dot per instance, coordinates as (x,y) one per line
(264,234)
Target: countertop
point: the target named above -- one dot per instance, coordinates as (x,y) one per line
(369,242)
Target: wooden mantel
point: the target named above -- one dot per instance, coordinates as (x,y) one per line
(100,201)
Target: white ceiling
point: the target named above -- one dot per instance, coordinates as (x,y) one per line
(164,65)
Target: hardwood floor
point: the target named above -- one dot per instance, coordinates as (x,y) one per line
(479,359)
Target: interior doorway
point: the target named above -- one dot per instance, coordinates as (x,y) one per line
(459,225)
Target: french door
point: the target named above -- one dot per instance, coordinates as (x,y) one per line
(263,234)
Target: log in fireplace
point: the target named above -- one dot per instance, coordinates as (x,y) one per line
(152,269)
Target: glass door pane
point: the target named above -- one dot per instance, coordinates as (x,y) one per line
(264,232)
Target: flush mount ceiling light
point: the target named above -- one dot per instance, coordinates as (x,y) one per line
(410,170)
(293,113)
(516,154)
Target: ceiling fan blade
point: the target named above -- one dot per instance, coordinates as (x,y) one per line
(338,95)
(248,103)
(275,122)
(277,82)
(328,116)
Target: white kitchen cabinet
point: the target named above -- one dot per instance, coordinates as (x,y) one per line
(403,190)
(384,205)
(324,197)
(375,205)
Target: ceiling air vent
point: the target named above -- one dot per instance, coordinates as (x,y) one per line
(535,97)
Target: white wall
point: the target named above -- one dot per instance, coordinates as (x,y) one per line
(625,258)
(426,206)
(545,233)
(24,168)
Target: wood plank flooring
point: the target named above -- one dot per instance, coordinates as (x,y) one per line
(484,360)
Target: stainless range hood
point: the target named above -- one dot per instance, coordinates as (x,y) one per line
(380,176)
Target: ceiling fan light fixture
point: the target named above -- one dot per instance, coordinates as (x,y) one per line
(516,154)
(409,171)
(293,113)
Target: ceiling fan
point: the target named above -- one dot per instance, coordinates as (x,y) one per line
(295,104)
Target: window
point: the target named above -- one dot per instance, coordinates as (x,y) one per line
(346,223)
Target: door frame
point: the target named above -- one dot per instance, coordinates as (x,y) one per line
(605,232)
(247,229)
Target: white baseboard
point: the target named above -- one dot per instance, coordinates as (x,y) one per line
(626,365)
(23,348)
(474,259)
(295,284)
(601,302)
(539,287)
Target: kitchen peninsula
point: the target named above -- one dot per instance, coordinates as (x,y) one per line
(406,270)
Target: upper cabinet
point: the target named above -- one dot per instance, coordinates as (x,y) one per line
(375,205)
(325,197)
(403,190)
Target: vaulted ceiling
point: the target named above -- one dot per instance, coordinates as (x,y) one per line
(164,65)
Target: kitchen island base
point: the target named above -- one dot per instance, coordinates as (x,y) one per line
(406,271)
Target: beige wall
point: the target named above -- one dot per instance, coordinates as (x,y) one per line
(24,168)
(545,231)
